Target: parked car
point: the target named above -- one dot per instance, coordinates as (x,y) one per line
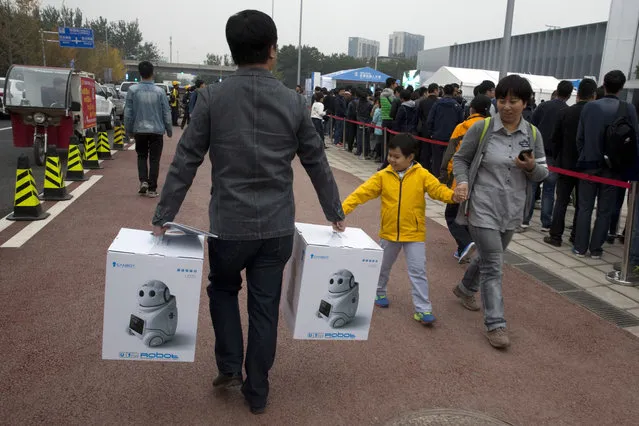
(105,110)
(118,102)
(124,87)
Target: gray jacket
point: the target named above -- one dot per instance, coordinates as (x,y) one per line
(252,127)
(147,110)
(468,160)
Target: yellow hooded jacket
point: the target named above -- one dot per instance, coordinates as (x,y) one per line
(403,215)
(456,139)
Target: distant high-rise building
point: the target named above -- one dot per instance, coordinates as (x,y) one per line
(359,47)
(406,44)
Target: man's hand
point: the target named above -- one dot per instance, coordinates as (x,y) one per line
(528,165)
(158,231)
(339,226)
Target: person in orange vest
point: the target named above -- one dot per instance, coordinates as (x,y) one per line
(479,110)
(175,98)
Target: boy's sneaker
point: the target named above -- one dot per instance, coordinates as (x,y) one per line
(381,301)
(425,318)
(467,253)
(144,187)
(468,302)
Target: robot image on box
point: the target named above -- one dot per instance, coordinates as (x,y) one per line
(155,320)
(339,305)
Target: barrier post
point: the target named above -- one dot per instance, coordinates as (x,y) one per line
(383,154)
(344,133)
(331,130)
(621,277)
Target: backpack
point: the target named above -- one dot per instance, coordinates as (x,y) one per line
(620,141)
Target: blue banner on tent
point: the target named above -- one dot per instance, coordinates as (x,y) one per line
(365,74)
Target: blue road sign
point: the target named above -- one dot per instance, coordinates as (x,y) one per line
(76,37)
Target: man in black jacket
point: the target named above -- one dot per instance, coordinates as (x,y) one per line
(443,117)
(545,118)
(252,210)
(564,148)
(423,109)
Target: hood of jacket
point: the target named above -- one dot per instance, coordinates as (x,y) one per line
(448,102)
(387,93)
(409,104)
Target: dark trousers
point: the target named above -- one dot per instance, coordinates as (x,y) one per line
(388,124)
(186,118)
(339,131)
(264,261)
(175,114)
(351,133)
(459,232)
(564,188)
(606,197)
(319,128)
(149,149)
(425,155)
(363,140)
(437,155)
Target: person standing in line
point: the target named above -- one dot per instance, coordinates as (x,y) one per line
(252,209)
(564,148)
(494,166)
(147,116)
(443,117)
(317,115)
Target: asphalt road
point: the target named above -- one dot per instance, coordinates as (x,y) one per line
(8,162)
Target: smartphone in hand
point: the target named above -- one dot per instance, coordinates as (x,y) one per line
(524,153)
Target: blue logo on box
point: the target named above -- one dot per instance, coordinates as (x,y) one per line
(123,265)
(370,260)
(316,257)
(188,271)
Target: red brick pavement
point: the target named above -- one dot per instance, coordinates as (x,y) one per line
(565,366)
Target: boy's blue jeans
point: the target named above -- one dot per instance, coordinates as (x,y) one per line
(416,259)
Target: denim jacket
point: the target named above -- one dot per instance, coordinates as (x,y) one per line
(252,127)
(147,110)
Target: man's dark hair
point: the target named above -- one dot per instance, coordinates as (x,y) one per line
(455,85)
(488,84)
(476,91)
(398,89)
(564,89)
(481,105)
(433,87)
(405,95)
(587,89)
(410,88)
(449,89)
(318,89)
(146,69)
(251,34)
(405,142)
(614,82)
(422,90)
(390,81)
(198,83)
(601,92)
(514,85)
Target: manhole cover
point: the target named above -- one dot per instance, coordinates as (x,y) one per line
(446,417)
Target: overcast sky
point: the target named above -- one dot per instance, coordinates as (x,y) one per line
(197,26)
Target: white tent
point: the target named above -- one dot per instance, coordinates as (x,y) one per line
(468,79)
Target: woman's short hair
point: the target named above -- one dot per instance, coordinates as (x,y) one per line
(516,86)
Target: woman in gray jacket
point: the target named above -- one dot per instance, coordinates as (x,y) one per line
(493,167)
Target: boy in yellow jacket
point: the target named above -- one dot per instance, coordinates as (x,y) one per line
(402,186)
(479,110)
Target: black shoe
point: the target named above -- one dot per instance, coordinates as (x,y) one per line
(258,410)
(233,380)
(550,240)
(610,239)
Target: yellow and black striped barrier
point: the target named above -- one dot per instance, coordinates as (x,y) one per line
(75,171)
(104,149)
(118,137)
(54,188)
(26,205)
(90,160)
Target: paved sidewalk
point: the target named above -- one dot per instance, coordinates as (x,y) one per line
(584,274)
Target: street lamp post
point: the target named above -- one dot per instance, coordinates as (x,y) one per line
(299,49)
(505,43)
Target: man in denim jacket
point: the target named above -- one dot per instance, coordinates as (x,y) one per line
(147,116)
(252,127)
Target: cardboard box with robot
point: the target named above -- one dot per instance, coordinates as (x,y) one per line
(152,296)
(330,283)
